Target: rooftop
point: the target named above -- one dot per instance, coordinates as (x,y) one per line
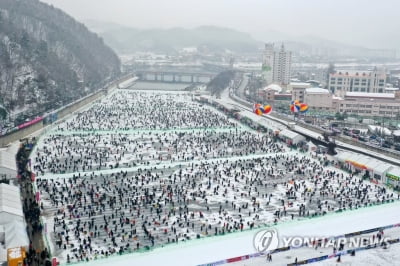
(355,73)
(299,84)
(274,87)
(370,95)
(10,200)
(317,91)
(337,97)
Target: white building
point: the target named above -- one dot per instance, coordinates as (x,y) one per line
(276,65)
(282,66)
(370,104)
(344,81)
(268,63)
(318,99)
(298,89)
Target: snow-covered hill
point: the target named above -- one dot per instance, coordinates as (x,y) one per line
(47,59)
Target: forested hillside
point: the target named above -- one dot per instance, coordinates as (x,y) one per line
(47,58)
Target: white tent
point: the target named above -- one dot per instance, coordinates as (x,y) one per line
(12,217)
(10,204)
(3,255)
(377,167)
(294,137)
(16,235)
(379,130)
(8,164)
(396,133)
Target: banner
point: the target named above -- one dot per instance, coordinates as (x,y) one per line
(254,255)
(29,123)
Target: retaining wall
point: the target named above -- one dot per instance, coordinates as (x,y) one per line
(62,112)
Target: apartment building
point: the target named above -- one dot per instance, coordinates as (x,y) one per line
(345,81)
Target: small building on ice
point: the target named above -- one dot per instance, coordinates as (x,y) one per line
(374,169)
(291,137)
(392,177)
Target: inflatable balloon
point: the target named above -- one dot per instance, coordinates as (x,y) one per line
(267,109)
(294,108)
(260,109)
(303,108)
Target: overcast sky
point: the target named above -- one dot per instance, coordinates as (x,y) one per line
(370,23)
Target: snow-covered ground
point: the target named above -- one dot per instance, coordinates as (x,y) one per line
(219,248)
(143,169)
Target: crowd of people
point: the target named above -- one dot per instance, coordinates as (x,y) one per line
(98,215)
(36,254)
(126,110)
(252,180)
(88,152)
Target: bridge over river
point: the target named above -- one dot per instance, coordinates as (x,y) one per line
(175,76)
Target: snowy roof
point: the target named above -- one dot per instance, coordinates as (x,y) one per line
(396,133)
(376,129)
(394,171)
(382,167)
(274,87)
(7,161)
(370,94)
(372,163)
(317,90)
(391,89)
(313,81)
(299,84)
(336,97)
(268,124)
(7,157)
(290,134)
(10,200)
(15,235)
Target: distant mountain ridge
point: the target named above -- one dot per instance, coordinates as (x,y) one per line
(47,58)
(125,39)
(129,40)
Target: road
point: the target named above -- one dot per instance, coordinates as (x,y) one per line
(341,142)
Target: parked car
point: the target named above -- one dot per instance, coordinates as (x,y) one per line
(385,145)
(361,138)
